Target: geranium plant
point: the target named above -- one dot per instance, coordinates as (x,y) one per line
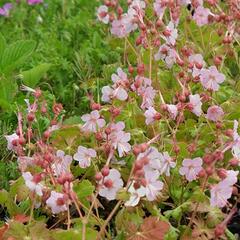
(157,157)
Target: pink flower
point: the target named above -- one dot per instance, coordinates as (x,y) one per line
(57,202)
(211,78)
(214,113)
(172,110)
(111,184)
(167,54)
(33,183)
(191,168)
(102,14)
(232,177)
(120,77)
(84,156)
(116,127)
(33,2)
(220,193)
(120,141)
(201,15)
(147,97)
(107,94)
(31,107)
(135,196)
(24,162)
(236,141)
(185,2)
(62,164)
(154,157)
(143,84)
(197,62)
(10,139)
(166,163)
(120,93)
(138,4)
(92,121)
(4,11)
(172,34)
(159,8)
(196,104)
(122,27)
(150,115)
(153,185)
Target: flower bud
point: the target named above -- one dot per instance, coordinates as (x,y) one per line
(105,171)
(98,176)
(98,136)
(144,147)
(217,60)
(140,69)
(229,132)
(138,165)
(108,183)
(234,162)
(21,141)
(222,173)
(37,93)
(209,170)
(46,134)
(219,230)
(130,69)
(30,116)
(95,106)
(202,173)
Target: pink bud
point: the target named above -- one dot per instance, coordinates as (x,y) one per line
(98,176)
(30,117)
(108,183)
(105,171)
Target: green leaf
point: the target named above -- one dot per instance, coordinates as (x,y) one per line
(7,201)
(7,91)
(16,230)
(15,54)
(74,234)
(229,235)
(84,189)
(19,231)
(2,45)
(33,76)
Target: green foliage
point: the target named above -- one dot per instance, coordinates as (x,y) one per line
(32,77)
(84,189)
(74,234)
(15,54)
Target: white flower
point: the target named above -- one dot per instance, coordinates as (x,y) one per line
(56,202)
(166,164)
(32,184)
(150,115)
(102,14)
(119,140)
(9,139)
(84,156)
(111,184)
(92,121)
(173,111)
(135,196)
(62,164)
(153,185)
(196,103)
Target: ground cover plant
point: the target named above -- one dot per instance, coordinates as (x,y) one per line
(154,150)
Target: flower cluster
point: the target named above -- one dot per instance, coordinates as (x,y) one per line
(160,133)
(5,9)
